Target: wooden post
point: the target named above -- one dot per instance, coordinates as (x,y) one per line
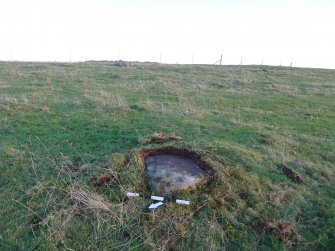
(221,60)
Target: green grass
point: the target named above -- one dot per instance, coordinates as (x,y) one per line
(62,125)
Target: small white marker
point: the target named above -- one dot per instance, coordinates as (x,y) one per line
(159,198)
(133,194)
(154,206)
(183,202)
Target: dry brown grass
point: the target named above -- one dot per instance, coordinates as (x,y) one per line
(89,200)
(159,138)
(105,98)
(111,178)
(286,231)
(4,108)
(45,109)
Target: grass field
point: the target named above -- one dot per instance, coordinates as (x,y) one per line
(62,126)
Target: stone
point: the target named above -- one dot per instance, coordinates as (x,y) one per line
(168,174)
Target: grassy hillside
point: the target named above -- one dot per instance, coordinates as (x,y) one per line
(63,126)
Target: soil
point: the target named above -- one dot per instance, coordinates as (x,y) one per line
(103,179)
(289,173)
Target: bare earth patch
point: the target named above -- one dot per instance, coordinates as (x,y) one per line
(104,179)
(289,173)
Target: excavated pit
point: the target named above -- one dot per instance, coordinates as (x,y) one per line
(171,170)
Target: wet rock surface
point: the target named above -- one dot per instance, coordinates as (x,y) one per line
(168,174)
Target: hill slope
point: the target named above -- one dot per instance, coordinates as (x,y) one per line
(63,126)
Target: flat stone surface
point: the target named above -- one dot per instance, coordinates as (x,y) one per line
(170,173)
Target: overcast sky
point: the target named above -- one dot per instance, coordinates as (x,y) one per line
(170,31)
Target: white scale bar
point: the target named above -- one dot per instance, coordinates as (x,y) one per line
(183,202)
(155,205)
(159,198)
(133,194)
